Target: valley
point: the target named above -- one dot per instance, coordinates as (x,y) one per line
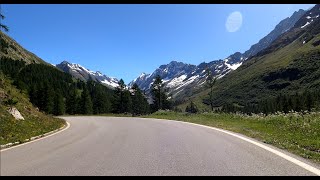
(269,93)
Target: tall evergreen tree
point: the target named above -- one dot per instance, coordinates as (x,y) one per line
(298,103)
(49,99)
(45,98)
(59,105)
(85,102)
(210,82)
(157,88)
(139,102)
(127,102)
(100,99)
(122,100)
(33,95)
(72,100)
(159,96)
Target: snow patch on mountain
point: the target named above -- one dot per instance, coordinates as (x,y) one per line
(234,66)
(176,81)
(110,83)
(200,84)
(220,76)
(189,81)
(220,66)
(305,25)
(142,75)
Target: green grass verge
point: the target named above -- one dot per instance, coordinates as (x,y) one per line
(19,130)
(36,123)
(299,134)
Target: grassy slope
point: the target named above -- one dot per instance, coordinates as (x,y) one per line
(17,52)
(35,122)
(246,83)
(295,133)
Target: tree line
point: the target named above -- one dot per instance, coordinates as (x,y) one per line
(298,102)
(56,92)
(283,102)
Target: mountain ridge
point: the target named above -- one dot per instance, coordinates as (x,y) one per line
(290,65)
(12,49)
(193,80)
(84,74)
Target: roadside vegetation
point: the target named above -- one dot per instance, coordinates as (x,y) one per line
(285,80)
(297,133)
(55,92)
(35,123)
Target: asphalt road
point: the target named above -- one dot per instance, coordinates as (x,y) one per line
(133,146)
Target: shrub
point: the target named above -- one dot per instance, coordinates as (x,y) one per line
(192,108)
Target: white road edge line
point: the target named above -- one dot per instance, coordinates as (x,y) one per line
(68,125)
(287,157)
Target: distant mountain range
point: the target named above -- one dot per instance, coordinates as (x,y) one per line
(289,65)
(184,80)
(180,77)
(85,74)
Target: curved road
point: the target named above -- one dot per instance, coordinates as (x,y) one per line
(134,146)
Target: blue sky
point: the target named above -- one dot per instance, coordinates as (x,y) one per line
(123,41)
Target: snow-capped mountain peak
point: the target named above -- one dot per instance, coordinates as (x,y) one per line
(178,76)
(143,75)
(82,73)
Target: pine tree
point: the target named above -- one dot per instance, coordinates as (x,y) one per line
(2,26)
(71,101)
(159,96)
(59,105)
(49,99)
(157,87)
(45,98)
(122,99)
(33,95)
(117,104)
(127,102)
(85,102)
(100,99)
(192,108)
(298,103)
(139,102)
(136,104)
(210,82)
